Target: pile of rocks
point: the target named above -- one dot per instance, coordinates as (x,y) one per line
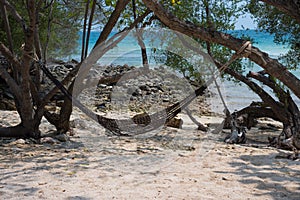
(59,70)
(138,90)
(135,89)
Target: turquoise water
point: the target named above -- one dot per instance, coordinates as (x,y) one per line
(237,96)
(264,41)
(129,46)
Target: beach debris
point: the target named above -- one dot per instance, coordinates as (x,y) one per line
(175,123)
(48,140)
(20,141)
(62,137)
(238,133)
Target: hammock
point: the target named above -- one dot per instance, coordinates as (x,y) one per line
(143,123)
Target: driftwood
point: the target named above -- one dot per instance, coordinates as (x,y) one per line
(238,133)
(201,127)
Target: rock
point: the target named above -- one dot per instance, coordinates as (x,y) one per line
(130,90)
(132,98)
(166,99)
(62,137)
(154,89)
(175,123)
(150,84)
(145,87)
(80,124)
(69,66)
(149,93)
(102,85)
(48,140)
(101,106)
(19,141)
(137,92)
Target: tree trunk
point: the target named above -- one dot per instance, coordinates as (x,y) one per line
(255,111)
(27,112)
(89,28)
(84,30)
(25,93)
(18,131)
(61,121)
(63,124)
(120,6)
(139,35)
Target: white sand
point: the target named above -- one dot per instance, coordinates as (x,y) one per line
(172,164)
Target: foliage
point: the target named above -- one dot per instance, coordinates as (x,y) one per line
(285,29)
(65,24)
(126,17)
(180,64)
(212,14)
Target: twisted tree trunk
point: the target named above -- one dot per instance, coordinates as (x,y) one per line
(23,90)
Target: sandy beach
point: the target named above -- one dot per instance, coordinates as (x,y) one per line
(166,164)
(201,70)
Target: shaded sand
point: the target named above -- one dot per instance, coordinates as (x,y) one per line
(169,164)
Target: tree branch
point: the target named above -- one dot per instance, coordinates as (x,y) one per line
(258,112)
(283,96)
(12,59)
(11,83)
(7,26)
(16,15)
(290,7)
(84,29)
(89,28)
(105,48)
(120,6)
(276,107)
(272,66)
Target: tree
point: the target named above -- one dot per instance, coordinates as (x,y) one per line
(210,14)
(62,119)
(288,113)
(30,104)
(280,21)
(290,7)
(55,19)
(22,89)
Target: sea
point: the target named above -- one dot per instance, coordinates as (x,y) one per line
(236,95)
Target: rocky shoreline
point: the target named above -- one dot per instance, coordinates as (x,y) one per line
(137,90)
(149,91)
